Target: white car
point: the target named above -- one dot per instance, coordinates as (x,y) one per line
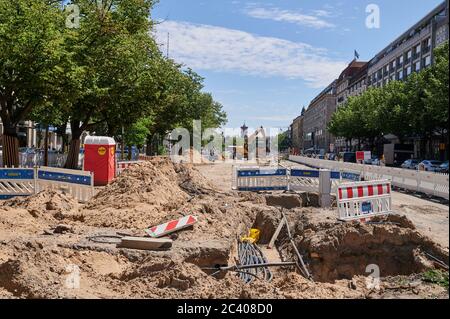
(430,166)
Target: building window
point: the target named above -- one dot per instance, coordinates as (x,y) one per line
(427,61)
(408,56)
(408,70)
(417,66)
(393,77)
(400,75)
(400,61)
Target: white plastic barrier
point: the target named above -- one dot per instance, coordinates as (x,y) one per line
(79,184)
(255,179)
(430,183)
(16,182)
(308,180)
(364,200)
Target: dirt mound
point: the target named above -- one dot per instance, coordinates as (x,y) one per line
(342,251)
(144,194)
(47,202)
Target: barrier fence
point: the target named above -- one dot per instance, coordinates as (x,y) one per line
(364,200)
(29,181)
(253,178)
(430,183)
(261,179)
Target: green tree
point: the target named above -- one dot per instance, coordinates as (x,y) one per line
(110,53)
(30,56)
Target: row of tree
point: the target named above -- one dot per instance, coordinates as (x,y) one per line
(97,67)
(416,107)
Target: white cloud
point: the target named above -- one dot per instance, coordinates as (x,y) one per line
(313,21)
(206,47)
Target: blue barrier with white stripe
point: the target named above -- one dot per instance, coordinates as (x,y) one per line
(262,188)
(18,174)
(351,176)
(304,173)
(278,172)
(66,178)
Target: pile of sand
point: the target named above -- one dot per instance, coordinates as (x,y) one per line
(144,194)
(48,203)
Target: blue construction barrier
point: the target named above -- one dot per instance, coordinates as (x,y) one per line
(66,178)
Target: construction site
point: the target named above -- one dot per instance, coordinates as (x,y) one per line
(233,244)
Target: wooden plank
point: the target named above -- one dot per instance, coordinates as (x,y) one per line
(276,234)
(143,243)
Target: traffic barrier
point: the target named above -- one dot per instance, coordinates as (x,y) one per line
(260,179)
(79,184)
(172,226)
(430,183)
(308,180)
(364,200)
(16,182)
(29,181)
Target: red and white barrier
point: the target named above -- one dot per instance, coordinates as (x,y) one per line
(172,226)
(364,200)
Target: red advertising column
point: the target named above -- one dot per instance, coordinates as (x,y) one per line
(100,158)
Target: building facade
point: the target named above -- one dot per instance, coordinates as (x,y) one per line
(297,133)
(412,51)
(351,82)
(316,137)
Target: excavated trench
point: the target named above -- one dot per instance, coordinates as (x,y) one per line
(335,251)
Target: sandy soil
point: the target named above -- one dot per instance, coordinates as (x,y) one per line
(47,240)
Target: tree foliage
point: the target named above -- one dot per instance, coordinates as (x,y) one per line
(105,75)
(415,107)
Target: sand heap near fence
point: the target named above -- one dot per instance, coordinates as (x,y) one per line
(146,193)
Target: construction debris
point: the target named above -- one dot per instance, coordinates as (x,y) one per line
(145,243)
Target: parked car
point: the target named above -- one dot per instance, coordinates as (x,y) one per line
(348,157)
(410,164)
(373,161)
(443,168)
(429,165)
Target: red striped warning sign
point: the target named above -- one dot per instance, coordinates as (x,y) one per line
(364,200)
(172,226)
(364,191)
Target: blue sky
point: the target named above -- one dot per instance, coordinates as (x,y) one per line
(265,60)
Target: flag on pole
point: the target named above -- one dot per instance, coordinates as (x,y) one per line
(356,55)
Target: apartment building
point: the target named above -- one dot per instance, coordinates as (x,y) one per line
(351,82)
(353,78)
(412,51)
(316,120)
(297,133)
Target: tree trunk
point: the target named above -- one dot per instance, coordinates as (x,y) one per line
(74,146)
(10,149)
(46,147)
(148,148)
(130,155)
